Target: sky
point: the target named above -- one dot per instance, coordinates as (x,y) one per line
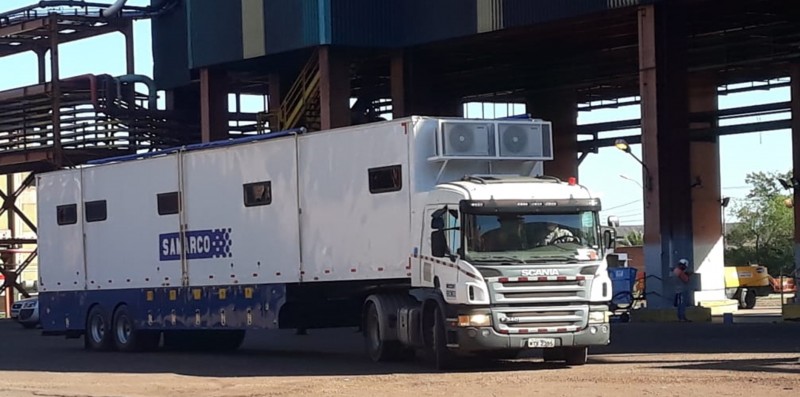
(612,175)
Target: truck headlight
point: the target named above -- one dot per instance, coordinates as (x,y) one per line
(475,320)
(598,317)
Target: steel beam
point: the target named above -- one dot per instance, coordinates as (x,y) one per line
(795,125)
(55,77)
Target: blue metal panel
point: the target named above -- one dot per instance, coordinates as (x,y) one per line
(366,22)
(215,32)
(241,306)
(171,48)
(296,24)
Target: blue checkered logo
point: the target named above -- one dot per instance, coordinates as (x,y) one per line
(198,244)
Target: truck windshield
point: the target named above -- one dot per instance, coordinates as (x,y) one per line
(530,238)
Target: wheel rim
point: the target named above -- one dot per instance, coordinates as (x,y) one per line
(98,328)
(123,330)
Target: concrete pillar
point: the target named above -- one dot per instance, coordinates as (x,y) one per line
(334,88)
(707,228)
(562,110)
(795,105)
(213,105)
(665,146)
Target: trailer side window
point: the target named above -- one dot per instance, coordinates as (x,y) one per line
(95,211)
(67,214)
(258,193)
(168,203)
(385,179)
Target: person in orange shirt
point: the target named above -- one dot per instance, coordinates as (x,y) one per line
(681,273)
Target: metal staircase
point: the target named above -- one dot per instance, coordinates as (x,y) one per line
(301,105)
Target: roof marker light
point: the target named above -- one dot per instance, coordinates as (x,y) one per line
(572,181)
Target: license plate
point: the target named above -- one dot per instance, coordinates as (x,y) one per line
(541,342)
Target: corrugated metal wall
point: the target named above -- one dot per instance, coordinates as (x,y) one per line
(171,49)
(210,32)
(296,24)
(215,32)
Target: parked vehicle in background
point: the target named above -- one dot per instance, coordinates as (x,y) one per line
(26,312)
(745,283)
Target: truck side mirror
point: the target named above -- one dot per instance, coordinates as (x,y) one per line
(438,244)
(610,239)
(613,221)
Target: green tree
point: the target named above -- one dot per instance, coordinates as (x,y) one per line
(764,233)
(634,238)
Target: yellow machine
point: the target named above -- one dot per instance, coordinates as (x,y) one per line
(744,283)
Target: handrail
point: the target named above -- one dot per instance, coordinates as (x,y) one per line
(297,98)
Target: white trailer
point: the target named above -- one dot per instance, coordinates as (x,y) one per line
(426,233)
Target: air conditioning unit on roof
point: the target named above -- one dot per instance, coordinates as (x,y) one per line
(527,140)
(467,139)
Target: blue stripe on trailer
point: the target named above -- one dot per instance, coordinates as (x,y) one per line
(211,307)
(199,146)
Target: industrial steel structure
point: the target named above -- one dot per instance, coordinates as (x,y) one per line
(330,63)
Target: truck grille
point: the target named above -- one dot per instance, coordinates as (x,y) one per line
(25,314)
(517,320)
(547,289)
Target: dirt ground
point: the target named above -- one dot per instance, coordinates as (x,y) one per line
(743,359)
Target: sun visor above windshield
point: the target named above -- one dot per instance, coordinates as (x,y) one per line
(561,206)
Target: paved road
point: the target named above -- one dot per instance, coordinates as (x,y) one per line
(648,359)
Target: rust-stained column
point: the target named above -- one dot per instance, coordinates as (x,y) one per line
(274,98)
(213,105)
(398,84)
(334,88)
(665,146)
(795,105)
(55,90)
(561,109)
(707,228)
(415,92)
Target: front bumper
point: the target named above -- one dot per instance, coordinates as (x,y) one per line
(480,339)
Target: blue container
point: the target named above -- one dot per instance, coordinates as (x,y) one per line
(623,280)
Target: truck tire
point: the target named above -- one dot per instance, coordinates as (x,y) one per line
(129,339)
(98,330)
(576,355)
(378,349)
(436,340)
(750,299)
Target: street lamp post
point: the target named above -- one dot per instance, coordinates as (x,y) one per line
(622,144)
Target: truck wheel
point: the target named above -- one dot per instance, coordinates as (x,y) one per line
(98,333)
(377,348)
(126,337)
(438,353)
(576,355)
(750,299)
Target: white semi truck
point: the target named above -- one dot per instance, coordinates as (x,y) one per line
(431,234)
